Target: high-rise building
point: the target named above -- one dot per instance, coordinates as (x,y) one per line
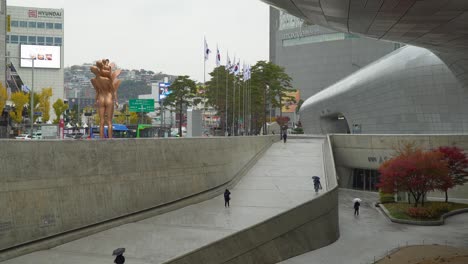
(37,36)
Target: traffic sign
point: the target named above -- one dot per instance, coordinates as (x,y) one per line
(141,105)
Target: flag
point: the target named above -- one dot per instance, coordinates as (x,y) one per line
(25,88)
(228,62)
(244,71)
(218,57)
(207,51)
(232,69)
(248,72)
(236,67)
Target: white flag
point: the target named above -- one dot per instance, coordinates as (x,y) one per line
(207,51)
(228,62)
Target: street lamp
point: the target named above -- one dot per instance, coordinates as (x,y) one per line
(32,89)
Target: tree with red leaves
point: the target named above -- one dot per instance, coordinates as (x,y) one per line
(282,122)
(457,163)
(414,171)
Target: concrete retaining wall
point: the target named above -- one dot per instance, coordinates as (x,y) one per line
(51,187)
(369,151)
(306,227)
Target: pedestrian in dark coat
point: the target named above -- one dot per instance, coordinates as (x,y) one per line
(120,259)
(285,136)
(317,185)
(227,197)
(356,208)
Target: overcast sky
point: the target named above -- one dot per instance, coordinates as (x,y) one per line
(161,35)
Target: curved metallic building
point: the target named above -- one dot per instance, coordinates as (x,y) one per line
(411,90)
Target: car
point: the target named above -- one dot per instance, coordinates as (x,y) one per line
(23,137)
(74,135)
(37,135)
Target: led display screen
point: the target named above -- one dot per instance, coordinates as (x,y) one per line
(44,56)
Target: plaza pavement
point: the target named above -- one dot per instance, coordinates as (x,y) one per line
(280,180)
(372,234)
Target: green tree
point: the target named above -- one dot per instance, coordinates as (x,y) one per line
(19,99)
(124,116)
(270,85)
(215,93)
(299,105)
(3,97)
(59,107)
(44,103)
(75,114)
(183,95)
(35,106)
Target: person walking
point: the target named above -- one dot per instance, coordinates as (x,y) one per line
(285,136)
(317,184)
(120,259)
(356,207)
(227,197)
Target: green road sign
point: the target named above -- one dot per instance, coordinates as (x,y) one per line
(141,105)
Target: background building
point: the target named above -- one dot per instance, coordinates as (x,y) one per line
(36,32)
(316,57)
(2,36)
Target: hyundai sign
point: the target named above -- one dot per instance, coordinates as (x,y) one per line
(164,90)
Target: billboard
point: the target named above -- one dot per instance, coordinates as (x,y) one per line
(44,56)
(164,90)
(290,107)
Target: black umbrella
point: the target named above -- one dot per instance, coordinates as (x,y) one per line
(118,251)
(315,178)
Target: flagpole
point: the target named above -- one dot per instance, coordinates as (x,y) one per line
(243,107)
(233,106)
(239,115)
(226,104)
(249,106)
(217,90)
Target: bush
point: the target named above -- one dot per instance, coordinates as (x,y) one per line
(440,208)
(421,212)
(298,130)
(386,197)
(433,210)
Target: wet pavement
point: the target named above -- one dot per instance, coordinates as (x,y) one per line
(371,234)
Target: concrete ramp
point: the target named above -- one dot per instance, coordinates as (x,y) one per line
(274,214)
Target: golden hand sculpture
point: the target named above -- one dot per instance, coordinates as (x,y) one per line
(106,85)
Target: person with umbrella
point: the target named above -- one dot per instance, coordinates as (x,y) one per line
(357,203)
(120,259)
(317,184)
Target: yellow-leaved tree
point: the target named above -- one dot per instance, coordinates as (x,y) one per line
(59,107)
(19,99)
(44,103)
(3,97)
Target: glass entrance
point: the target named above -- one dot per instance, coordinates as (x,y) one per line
(365,179)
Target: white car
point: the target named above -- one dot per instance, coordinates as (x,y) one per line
(24,137)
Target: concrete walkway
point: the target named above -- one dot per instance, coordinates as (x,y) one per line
(372,234)
(280,180)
